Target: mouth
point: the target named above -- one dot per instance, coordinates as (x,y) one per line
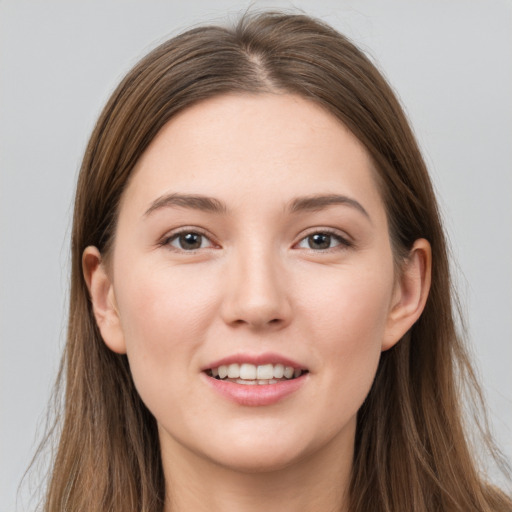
(251,375)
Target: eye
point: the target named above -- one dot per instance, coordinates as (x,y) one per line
(188,241)
(321,241)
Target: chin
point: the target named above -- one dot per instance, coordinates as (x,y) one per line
(250,460)
(261,450)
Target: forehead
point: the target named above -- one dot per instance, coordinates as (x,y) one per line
(237,146)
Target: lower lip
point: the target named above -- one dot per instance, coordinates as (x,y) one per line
(257,394)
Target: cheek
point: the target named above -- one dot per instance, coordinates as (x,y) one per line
(347,322)
(164,316)
(350,303)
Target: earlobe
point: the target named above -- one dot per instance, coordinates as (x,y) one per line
(411,293)
(101,291)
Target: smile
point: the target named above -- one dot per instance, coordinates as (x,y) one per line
(251,374)
(255,379)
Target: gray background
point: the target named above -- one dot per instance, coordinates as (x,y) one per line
(450,62)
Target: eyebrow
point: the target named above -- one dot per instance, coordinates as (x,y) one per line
(319,202)
(213,205)
(191,201)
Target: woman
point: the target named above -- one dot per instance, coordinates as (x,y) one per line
(260,311)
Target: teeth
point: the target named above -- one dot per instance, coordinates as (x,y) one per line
(248,371)
(252,374)
(288,372)
(234,371)
(246,382)
(223,371)
(265,372)
(253,382)
(278,371)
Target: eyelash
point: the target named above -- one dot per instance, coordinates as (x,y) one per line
(166,241)
(342,242)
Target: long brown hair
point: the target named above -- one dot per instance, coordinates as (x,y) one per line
(411,450)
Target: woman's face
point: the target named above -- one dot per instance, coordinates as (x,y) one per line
(252,238)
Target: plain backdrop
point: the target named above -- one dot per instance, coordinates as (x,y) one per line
(449,61)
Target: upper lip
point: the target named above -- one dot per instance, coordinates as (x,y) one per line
(255,359)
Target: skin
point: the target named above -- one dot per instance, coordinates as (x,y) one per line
(255,285)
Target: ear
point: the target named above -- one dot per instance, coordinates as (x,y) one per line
(104,306)
(410,293)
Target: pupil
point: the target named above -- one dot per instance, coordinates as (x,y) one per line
(190,241)
(319,241)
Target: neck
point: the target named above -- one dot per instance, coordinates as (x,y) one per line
(315,482)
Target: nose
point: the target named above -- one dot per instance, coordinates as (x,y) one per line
(256,292)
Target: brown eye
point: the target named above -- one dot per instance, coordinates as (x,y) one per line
(188,241)
(323,241)
(319,241)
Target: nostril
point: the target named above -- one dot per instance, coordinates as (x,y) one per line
(274,321)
